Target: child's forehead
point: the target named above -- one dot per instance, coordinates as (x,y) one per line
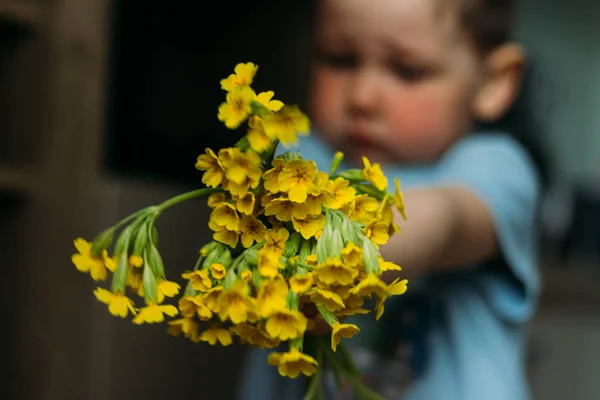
(431,19)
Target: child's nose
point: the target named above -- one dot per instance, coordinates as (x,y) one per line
(365,95)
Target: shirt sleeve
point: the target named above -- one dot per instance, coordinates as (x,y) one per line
(500,172)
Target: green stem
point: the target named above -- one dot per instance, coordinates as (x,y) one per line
(132,216)
(363,391)
(313,391)
(186,196)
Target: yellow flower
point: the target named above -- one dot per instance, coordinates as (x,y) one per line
(379,307)
(187,306)
(135,261)
(246,275)
(198,279)
(334,272)
(271,176)
(371,284)
(154,313)
(236,304)
(214,335)
(118,304)
(134,280)
(377,231)
(352,255)
(254,336)
(387,265)
(218,271)
(284,324)
(166,288)
(224,216)
(264,98)
(259,141)
(362,208)
(397,287)
(187,326)
(311,259)
(327,299)
(342,331)
(85,261)
(211,298)
(349,311)
(110,262)
(245,204)
(210,163)
(216,198)
(399,199)
(292,363)
(301,283)
(244,75)
(341,192)
(311,226)
(252,229)
(241,166)
(276,239)
(272,295)
(286,124)
(284,209)
(237,107)
(269,263)
(227,237)
(374,174)
(296,179)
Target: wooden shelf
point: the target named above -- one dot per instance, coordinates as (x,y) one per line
(14,181)
(20,14)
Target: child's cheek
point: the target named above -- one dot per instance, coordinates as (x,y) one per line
(420,126)
(326,103)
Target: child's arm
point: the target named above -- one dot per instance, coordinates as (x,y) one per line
(447,227)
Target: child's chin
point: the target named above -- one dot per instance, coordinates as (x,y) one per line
(374,155)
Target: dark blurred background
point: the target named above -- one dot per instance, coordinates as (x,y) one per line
(104,106)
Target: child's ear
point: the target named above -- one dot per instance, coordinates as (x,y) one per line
(500,86)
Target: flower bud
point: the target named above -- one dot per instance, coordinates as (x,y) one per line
(141,240)
(353,175)
(290,156)
(208,248)
(149,284)
(213,255)
(225,258)
(251,256)
(336,162)
(119,281)
(370,254)
(153,259)
(305,250)
(102,241)
(292,245)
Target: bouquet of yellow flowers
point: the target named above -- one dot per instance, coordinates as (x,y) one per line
(285,236)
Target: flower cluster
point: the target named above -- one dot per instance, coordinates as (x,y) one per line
(286,236)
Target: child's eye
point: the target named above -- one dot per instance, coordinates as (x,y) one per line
(411,73)
(340,61)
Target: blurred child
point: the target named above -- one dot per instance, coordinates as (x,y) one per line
(427,88)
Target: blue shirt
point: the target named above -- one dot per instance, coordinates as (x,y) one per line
(466,332)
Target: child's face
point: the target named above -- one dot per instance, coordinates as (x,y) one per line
(393,80)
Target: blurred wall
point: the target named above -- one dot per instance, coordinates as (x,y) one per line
(563,38)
